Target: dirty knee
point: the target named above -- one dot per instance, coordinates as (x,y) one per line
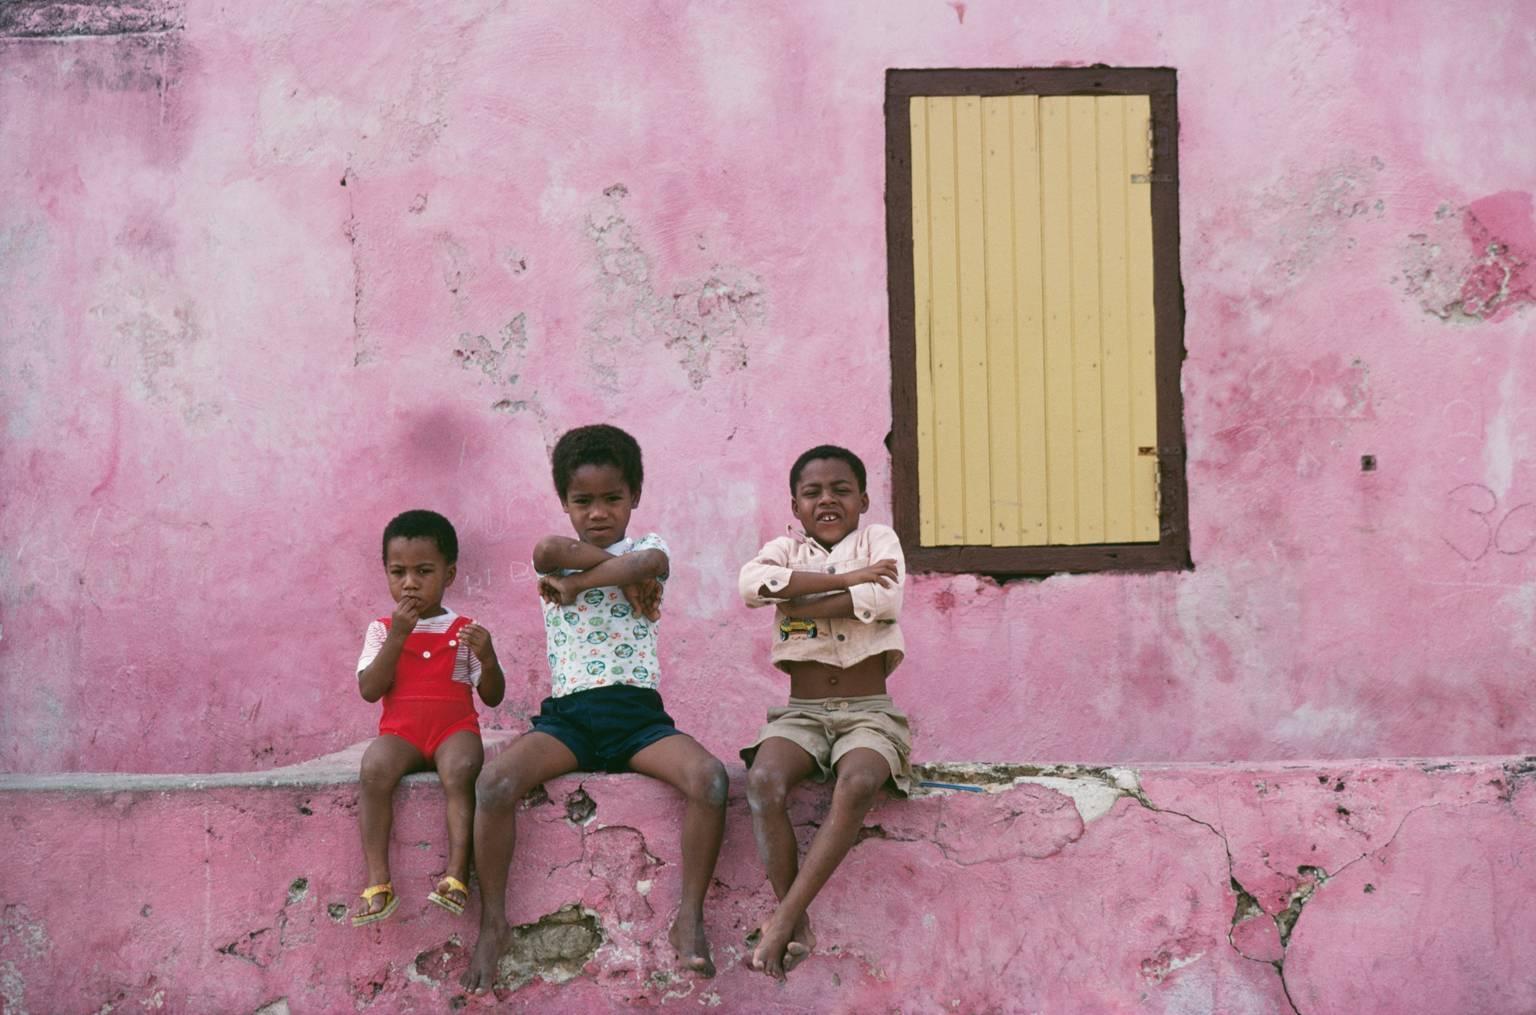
(858,787)
(459,774)
(376,778)
(766,788)
(711,787)
(497,791)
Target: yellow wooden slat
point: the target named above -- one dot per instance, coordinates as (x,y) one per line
(1119,450)
(1087,357)
(922,305)
(1032,268)
(1029,319)
(970,205)
(1141,321)
(1002,373)
(944,332)
(1057,389)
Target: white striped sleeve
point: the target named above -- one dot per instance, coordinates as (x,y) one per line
(373,641)
(466,669)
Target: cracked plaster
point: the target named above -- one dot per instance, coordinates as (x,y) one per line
(1227,922)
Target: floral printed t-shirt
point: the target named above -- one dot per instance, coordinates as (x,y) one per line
(599,640)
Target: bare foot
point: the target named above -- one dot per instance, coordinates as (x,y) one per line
(772,948)
(687,937)
(801,943)
(482,972)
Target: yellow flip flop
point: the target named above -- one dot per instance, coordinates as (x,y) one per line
(367,917)
(440,897)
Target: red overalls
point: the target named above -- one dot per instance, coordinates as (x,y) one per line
(425,705)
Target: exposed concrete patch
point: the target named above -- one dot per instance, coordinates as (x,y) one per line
(1250,935)
(1331,200)
(259,947)
(1092,790)
(553,948)
(579,807)
(456,267)
(501,362)
(363,351)
(21,938)
(1517,772)
(1254,933)
(702,320)
(54,18)
(1473,261)
(1173,956)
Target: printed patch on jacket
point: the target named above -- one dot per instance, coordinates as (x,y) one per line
(796,630)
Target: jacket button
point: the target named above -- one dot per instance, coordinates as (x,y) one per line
(426,655)
(452,642)
(832,569)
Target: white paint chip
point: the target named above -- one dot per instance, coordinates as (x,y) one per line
(1093,797)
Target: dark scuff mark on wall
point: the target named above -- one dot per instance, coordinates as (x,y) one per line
(579,807)
(34,19)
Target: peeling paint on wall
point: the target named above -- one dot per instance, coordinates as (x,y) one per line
(1475,262)
(202,229)
(702,321)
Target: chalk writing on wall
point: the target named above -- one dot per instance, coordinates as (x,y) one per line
(1485,526)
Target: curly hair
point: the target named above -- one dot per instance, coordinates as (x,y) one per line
(424,525)
(827,451)
(598,444)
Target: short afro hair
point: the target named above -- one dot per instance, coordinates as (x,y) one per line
(423,525)
(827,451)
(598,444)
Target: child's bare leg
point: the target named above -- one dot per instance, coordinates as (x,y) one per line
(860,774)
(386,761)
(458,762)
(778,767)
(533,758)
(679,761)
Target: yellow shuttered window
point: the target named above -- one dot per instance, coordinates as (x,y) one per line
(1036,320)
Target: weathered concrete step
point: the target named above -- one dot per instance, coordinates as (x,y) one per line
(1360,886)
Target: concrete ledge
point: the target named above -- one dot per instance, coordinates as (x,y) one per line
(1359,886)
(338,769)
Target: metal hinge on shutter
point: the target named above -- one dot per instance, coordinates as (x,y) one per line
(1152,161)
(1162,455)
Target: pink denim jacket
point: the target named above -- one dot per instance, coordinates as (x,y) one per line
(873,629)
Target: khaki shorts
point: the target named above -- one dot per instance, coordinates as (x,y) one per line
(828,728)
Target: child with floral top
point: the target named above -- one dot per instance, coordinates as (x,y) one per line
(602,610)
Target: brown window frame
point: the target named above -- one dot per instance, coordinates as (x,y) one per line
(1171,551)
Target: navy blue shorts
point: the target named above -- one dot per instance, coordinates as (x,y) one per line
(606,726)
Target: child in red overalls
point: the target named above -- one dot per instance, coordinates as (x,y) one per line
(425,661)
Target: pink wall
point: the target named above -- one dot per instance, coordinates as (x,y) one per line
(1377,889)
(273,275)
